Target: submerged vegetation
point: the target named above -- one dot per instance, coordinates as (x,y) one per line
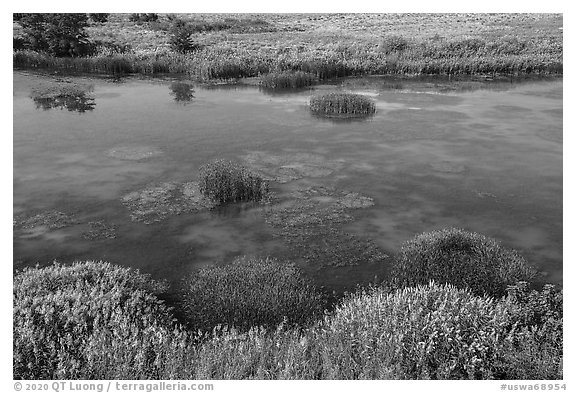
(98,321)
(226,181)
(222,47)
(342,105)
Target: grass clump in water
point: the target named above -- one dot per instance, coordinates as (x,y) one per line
(248,293)
(287,80)
(342,105)
(226,181)
(464,259)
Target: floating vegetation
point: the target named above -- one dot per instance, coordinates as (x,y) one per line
(310,223)
(226,181)
(52,219)
(283,168)
(99,230)
(287,80)
(157,202)
(133,153)
(342,105)
(182,92)
(72,96)
(336,248)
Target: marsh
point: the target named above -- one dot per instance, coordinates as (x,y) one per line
(485,156)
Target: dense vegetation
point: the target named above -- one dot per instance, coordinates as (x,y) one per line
(247,293)
(464,259)
(223,47)
(342,104)
(226,181)
(96,320)
(287,80)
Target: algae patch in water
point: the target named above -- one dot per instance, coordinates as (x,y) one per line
(157,202)
(283,168)
(52,219)
(310,222)
(100,230)
(133,153)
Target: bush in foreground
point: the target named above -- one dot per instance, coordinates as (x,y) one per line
(464,259)
(426,332)
(287,80)
(69,321)
(97,321)
(226,181)
(248,293)
(342,104)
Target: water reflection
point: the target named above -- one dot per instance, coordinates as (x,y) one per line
(71,96)
(182,92)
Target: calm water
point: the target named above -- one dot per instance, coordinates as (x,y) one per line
(486,159)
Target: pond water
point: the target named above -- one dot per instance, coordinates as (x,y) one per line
(115,180)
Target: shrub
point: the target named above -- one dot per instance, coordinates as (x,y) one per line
(62,314)
(535,349)
(58,34)
(287,80)
(99,18)
(464,259)
(150,17)
(342,104)
(247,293)
(427,332)
(181,37)
(227,181)
(394,43)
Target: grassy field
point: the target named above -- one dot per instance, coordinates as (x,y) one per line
(327,45)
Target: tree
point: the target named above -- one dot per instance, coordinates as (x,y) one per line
(58,34)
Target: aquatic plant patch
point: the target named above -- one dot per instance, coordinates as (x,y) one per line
(100,230)
(225,181)
(461,258)
(71,96)
(286,167)
(342,105)
(310,220)
(160,201)
(133,153)
(52,219)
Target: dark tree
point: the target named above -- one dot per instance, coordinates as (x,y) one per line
(58,34)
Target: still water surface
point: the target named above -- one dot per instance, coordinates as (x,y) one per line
(486,158)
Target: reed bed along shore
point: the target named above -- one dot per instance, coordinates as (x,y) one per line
(326,47)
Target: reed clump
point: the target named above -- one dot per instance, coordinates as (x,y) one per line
(226,181)
(287,80)
(342,105)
